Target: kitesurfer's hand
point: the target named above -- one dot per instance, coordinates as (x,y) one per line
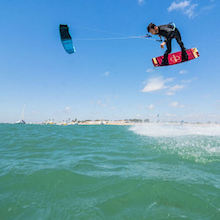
(162,45)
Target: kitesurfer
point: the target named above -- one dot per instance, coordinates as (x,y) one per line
(169,32)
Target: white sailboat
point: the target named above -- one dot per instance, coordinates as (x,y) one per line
(21,121)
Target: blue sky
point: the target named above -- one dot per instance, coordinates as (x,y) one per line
(112,79)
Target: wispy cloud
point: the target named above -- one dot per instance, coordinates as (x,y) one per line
(101,103)
(176,105)
(156,83)
(187,81)
(190,11)
(176,6)
(170,115)
(187,7)
(67,109)
(106,74)
(151,106)
(173,89)
(176,87)
(183,72)
(150,70)
(141,2)
(166,84)
(207,8)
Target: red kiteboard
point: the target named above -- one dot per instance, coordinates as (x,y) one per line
(175,58)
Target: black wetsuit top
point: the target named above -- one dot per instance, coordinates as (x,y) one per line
(167,31)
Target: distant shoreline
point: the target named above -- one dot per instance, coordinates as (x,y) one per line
(120,123)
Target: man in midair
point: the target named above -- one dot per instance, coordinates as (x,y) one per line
(169,32)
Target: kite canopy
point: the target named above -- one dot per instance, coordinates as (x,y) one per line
(66,39)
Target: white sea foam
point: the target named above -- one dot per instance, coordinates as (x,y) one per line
(200,142)
(173,130)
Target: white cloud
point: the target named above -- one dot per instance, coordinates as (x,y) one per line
(190,11)
(150,70)
(207,8)
(101,103)
(176,87)
(67,109)
(166,84)
(183,71)
(176,105)
(186,6)
(151,106)
(141,2)
(169,93)
(107,73)
(177,6)
(187,81)
(173,89)
(155,84)
(170,115)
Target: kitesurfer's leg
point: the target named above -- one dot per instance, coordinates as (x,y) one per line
(179,41)
(165,56)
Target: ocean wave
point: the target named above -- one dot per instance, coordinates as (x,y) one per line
(173,130)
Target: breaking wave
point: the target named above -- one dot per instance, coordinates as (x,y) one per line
(173,130)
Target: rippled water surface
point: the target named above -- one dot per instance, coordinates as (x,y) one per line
(151,171)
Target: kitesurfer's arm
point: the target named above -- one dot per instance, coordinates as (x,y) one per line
(163,44)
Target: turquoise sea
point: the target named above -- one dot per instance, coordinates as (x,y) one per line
(152,171)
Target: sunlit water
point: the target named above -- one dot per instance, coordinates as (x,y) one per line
(151,171)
